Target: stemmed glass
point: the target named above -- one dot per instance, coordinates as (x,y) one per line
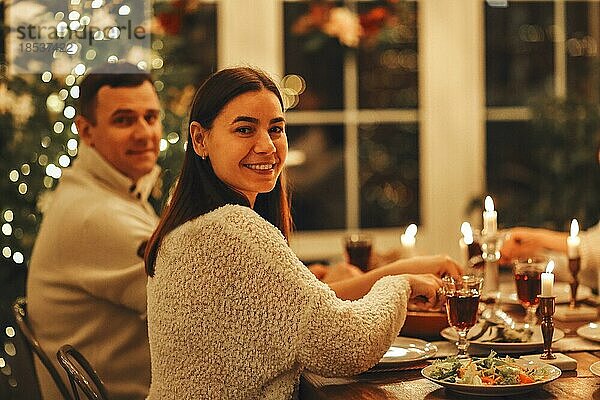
(462,301)
(528,279)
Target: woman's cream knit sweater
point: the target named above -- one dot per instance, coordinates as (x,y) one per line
(233,314)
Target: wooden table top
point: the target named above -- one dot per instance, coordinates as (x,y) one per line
(409,384)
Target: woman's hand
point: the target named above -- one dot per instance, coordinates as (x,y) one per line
(522,243)
(424,291)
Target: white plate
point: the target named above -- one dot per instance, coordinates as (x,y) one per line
(590,331)
(536,341)
(562,291)
(595,368)
(497,390)
(405,350)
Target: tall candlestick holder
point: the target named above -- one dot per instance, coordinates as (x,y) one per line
(574,267)
(490,252)
(546,307)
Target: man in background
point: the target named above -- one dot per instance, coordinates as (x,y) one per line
(86,284)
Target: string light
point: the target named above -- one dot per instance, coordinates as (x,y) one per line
(6,252)
(163,144)
(13,175)
(18,258)
(8,215)
(58,127)
(22,188)
(69,112)
(47,76)
(25,169)
(64,161)
(173,137)
(72,144)
(6,229)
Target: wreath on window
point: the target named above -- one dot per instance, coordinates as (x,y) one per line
(390,22)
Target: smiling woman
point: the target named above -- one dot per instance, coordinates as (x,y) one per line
(229,303)
(246,143)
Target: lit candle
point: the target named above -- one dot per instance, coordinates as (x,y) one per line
(465,241)
(408,239)
(490,217)
(548,279)
(573,241)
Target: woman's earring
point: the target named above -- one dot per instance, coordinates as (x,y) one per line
(204,156)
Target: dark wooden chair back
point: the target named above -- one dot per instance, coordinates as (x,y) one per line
(20,314)
(81,374)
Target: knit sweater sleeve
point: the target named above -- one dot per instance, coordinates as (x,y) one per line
(590,248)
(333,337)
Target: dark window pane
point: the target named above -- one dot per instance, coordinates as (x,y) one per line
(511,176)
(519,52)
(583,63)
(389,175)
(313,55)
(317,178)
(387,57)
(545,172)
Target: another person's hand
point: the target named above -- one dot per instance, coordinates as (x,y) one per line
(424,291)
(335,273)
(522,243)
(438,265)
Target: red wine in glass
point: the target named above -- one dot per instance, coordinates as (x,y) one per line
(462,310)
(529,286)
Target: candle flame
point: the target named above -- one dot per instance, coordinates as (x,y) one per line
(411,230)
(574,228)
(467,232)
(489,203)
(465,229)
(550,267)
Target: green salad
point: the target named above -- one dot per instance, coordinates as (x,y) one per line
(490,370)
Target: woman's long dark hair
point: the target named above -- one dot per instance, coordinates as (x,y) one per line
(198,190)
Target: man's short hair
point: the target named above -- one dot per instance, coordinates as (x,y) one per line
(121,74)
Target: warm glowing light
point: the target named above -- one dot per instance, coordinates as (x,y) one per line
(8,215)
(22,188)
(574,228)
(163,144)
(550,267)
(18,257)
(79,69)
(13,175)
(411,230)
(69,112)
(467,232)
(72,144)
(64,161)
(46,76)
(489,204)
(6,252)
(6,229)
(58,127)
(173,137)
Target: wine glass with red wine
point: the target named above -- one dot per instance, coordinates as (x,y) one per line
(528,279)
(462,302)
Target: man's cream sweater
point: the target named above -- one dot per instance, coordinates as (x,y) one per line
(86,283)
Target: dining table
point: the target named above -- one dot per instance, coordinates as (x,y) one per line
(407,383)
